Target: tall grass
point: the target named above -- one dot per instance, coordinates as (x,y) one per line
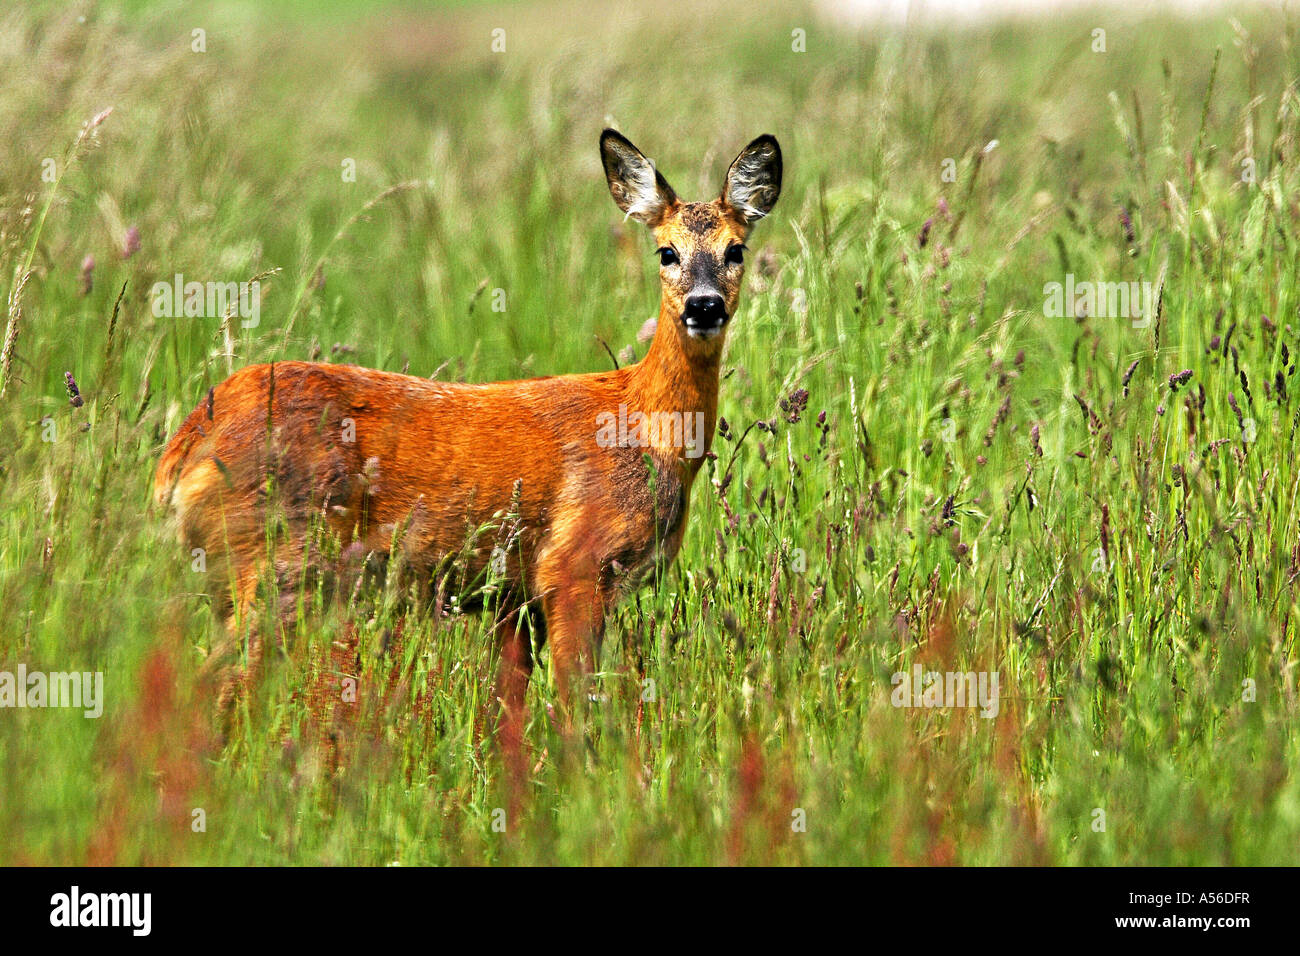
(972,486)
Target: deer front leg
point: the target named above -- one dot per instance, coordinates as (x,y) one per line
(575,619)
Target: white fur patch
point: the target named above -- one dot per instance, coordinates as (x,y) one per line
(641,191)
(637,192)
(751,190)
(633,183)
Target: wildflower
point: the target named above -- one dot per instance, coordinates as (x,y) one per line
(87,274)
(74,394)
(793,407)
(1128,376)
(1127,223)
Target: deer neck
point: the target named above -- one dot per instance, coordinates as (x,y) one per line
(679,376)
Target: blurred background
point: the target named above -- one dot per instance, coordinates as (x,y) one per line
(233,159)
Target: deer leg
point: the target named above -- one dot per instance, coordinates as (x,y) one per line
(575,619)
(221,670)
(228,670)
(510,691)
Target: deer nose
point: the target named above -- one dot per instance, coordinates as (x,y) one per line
(705,313)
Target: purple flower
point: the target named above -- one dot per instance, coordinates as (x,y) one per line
(794,406)
(87,274)
(74,394)
(1127,223)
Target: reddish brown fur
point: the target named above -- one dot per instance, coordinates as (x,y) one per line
(432,460)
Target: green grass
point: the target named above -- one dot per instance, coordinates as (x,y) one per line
(1121,669)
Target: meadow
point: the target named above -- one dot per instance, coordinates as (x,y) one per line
(923,463)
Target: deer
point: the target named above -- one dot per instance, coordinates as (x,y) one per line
(584,497)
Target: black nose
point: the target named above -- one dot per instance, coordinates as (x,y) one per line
(705,311)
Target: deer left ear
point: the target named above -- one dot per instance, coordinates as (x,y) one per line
(754,179)
(638,188)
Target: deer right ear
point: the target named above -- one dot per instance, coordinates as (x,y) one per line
(754,179)
(638,188)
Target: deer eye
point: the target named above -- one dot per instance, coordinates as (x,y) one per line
(668,257)
(735,255)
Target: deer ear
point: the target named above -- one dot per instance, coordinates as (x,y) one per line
(754,179)
(638,188)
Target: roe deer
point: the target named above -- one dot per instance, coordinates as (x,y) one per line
(593,494)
